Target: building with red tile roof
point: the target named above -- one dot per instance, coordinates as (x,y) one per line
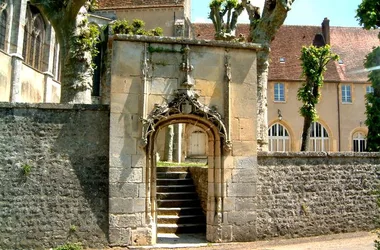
(342,105)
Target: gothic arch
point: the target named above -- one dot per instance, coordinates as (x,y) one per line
(215,169)
(185,108)
(184,102)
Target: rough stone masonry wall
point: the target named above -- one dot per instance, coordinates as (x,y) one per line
(200,179)
(304,194)
(64,198)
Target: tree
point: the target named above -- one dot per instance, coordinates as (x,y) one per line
(220,8)
(373,102)
(313,61)
(76,40)
(263,30)
(368,15)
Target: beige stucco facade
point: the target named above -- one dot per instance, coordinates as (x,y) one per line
(341,120)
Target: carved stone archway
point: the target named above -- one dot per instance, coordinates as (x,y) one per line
(185,102)
(156,82)
(185,108)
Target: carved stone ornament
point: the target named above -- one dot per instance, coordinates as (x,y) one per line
(184,102)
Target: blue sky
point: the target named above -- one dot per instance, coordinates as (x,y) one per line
(304,12)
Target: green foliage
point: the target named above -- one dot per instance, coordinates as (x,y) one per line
(136,28)
(26,169)
(368,14)
(313,62)
(69,246)
(86,40)
(377,242)
(373,102)
(73,228)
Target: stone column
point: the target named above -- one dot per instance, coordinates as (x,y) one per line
(16,84)
(17,39)
(48,62)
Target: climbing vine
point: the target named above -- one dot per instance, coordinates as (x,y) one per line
(86,40)
(313,61)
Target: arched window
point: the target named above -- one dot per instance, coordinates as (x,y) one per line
(279,139)
(3,28)
(359,142)
(319,138)
(33,37)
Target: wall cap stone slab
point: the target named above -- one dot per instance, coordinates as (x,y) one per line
(186,41)
(56,106)
(318,154)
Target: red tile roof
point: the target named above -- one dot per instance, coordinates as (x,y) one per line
(351,44)
(115,4)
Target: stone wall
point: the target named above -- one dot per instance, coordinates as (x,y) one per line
(64,197)
(304,194)
(199,176)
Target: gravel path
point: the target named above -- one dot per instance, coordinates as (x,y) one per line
(348,241)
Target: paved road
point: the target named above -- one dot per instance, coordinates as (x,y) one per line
(348,241)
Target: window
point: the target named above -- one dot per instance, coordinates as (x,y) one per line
(279,92)
(319,138)
(368,89)
(359,142)
(33,38)
(346,94)
(279,139)
(3,28)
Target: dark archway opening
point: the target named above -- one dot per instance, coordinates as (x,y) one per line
(170,200)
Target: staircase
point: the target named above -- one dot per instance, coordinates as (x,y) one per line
(178,207)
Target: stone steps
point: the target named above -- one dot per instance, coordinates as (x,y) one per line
(179,210)
(180,219)
(181,228)
(178,206)
(177,195)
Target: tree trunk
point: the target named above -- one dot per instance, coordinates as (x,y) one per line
(68,19)
(263,31)
(306,133)
(262,102)
(77,72)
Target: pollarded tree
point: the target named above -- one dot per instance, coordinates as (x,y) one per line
(313,61)
(262,30)
(77,40)
(220,8)
(368,15)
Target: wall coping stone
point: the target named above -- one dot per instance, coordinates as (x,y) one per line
(182,40)
(56,106)
(319,154)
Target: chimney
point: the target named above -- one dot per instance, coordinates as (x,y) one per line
(319,41)
(326,30)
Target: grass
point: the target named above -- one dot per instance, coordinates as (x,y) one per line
(182,164)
